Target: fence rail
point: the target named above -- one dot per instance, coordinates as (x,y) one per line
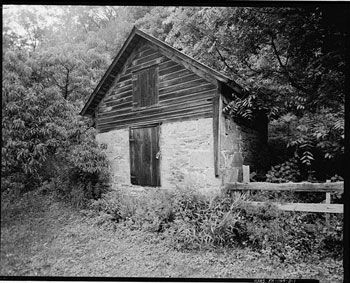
(306,187)
(336,187)
(306,207)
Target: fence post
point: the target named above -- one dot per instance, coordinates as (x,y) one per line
(246,173)
(328,201)
(246,176)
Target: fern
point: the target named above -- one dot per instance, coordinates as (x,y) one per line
(248,107)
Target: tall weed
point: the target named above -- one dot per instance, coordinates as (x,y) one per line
(191,221)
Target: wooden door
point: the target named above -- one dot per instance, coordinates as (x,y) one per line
(145,90)
(144,157)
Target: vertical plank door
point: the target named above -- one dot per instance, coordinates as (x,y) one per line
(145,87)
(144,146)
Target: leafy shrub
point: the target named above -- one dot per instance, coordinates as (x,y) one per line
(83,173)
(286,172)
(48,140)
(203,223)
(191,221)
(43,138)
(151,211)
(314,141)
(32,129)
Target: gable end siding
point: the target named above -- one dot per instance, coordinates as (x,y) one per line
(182,94)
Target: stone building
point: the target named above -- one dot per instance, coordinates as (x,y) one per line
(160,113)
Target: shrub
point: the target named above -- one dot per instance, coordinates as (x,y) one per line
(286,172)
(83,171)
(151,211)
(203,223)
(43,139)
(229,222)
(191,221)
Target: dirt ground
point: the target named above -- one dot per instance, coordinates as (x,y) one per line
(43,237)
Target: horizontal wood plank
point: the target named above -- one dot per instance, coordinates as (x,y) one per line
(113,98)
(293,187)
(206,95)
(178,80)
(146,59)
(164,67)
(170,70)
(144,47)
(147,64)
(150,120)
(121,84)
(186,91)
(173,74)
(124,77)
(306,207)
(145,52)
(109,117)
(119,101)
(197,82)
(125,119)
(189,63)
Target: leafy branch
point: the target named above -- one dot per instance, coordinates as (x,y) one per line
(285,70)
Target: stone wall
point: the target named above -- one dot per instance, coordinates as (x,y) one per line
(188,155)
(242,145)
(231,149)
(118,154)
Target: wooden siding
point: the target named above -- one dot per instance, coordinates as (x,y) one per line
(182,94)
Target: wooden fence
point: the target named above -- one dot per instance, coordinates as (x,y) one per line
(328,188)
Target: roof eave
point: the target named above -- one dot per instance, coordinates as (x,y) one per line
(217,75)
(110,68)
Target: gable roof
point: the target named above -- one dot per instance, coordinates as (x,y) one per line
(134,37)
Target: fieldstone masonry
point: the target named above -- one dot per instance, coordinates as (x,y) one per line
(231,158)
(187,154)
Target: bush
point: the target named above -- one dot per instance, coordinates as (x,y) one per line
(203,223)
(44,139)
(83,171)
(286,172)
(151,211)
(313,143)
(194,222)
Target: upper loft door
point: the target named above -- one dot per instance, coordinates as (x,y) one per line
(145,87)
(144,156)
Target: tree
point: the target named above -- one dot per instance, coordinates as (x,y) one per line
(279,54)
(43,91)
(156,22)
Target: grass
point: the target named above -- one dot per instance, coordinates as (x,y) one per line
(43,237)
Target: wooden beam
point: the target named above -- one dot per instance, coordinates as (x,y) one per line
(195,111)
(306,207)
(172,118)
(217,105)
(154,110)
(293,187)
